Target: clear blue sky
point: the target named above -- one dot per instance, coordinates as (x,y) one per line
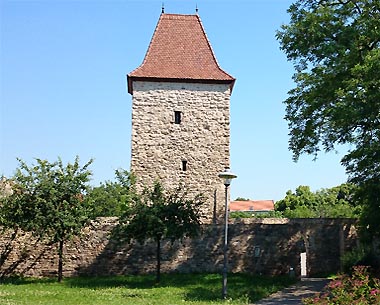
(63,86)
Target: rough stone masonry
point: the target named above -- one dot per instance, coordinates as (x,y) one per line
(161,147)
(261,246)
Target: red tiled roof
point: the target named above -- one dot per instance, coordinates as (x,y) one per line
(179,51)
(252,205)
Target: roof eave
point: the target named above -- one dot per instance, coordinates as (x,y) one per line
(131,79)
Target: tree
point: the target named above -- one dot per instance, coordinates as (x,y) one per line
(159,215)
(333,202)
(335,48)
(301,203)
(49,200)
(369,195)
(242,199)
(110,197)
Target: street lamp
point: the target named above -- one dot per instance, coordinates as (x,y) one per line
(227,176)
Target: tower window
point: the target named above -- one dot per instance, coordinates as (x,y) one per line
(184,165)
(177,117)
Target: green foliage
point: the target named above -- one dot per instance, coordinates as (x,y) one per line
(197,289)
(369,194)
(111,197)
(49,200)
(334,202)
(241,199)
(270,214)
(160,214)
(358,256)
(359,288)
(335,48)
(241,214)
(300,212)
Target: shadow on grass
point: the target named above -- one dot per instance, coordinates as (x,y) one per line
(100,282)
(144,281)
(19,280)
(203,294)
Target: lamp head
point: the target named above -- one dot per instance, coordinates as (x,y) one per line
(227,175)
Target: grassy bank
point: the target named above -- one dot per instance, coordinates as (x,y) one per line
(120,290)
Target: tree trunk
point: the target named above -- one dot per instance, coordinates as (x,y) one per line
(5,253)
(158,254)
(60,261)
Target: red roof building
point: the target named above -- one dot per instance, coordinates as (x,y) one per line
(252,206)
(179,51)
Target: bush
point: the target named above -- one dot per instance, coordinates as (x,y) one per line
(354,257)
(359,288)
(361,255)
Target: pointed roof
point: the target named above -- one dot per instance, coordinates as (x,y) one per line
(179,51)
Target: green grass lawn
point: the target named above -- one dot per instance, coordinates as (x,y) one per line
(119,290)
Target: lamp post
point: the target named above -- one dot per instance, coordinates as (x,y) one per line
(227,176)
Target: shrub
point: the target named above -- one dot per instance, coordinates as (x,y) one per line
(362,255)
(354,257)
(359,288)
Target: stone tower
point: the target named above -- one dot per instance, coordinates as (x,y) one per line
(181,112)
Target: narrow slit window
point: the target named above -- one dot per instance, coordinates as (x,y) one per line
(177,117)
(184,165)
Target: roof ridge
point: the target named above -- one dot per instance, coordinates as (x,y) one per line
(180,15)
(252,200)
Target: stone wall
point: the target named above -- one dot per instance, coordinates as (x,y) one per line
(202,139)
(265,246)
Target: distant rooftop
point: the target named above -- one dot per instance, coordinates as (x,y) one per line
(179,51)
